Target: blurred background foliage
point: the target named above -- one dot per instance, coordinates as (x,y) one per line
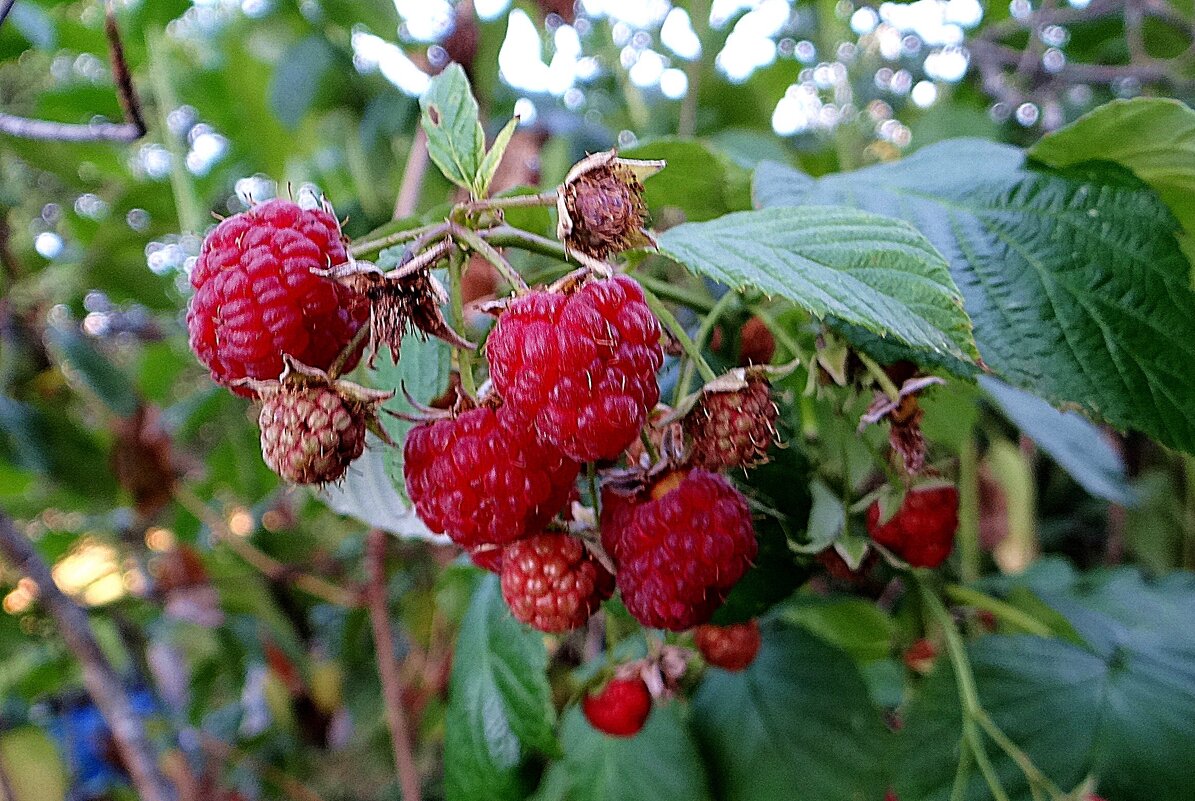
(141,482)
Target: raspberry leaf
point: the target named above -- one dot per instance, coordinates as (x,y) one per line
(872,271)
(699,181)
(796,724)
(661,762)
(489,164)
(455,139)
(1075,280)
(499,702)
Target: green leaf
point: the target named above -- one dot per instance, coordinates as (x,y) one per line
(297,79)
(489,164)
(369,493)
(797,725)
(852,624)
(1152,136)
(661,762)
(455,139)
(1076,283)
(84,363)
(1078,446)
(873,271)
(1120,710)
(697,181)
(499,703)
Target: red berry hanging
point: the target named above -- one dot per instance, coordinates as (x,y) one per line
(620,709)
(922,530)
(729,647)
(579,368)
(552,582)
(681,549)
(482,481)
(258,294)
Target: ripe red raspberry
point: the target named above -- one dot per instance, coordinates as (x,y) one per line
(731,647)
(257,297)
(579,368)
(922,530)
(920,656)
(310,434)
(552,582)
(732,428)
(487,557)
(482,481)
(620,709)
(681,550)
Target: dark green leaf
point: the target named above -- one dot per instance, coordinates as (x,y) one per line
(660,763)
(876,272)
(499,703)
(455,139)
(82,361)
(696,180)
(1076,283)
(797,725)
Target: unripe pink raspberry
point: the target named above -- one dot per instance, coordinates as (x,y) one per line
(552,582)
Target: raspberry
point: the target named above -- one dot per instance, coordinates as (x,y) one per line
(310,435)
(620,709)
(552,582)
(731,647)
(922,530)
(480,480)
(580,368)
(732,428)
(257,297)
(920,656)
(487,557)
(680,551)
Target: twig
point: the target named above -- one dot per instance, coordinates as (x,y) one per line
(412,177)
(265,564)
(507,236)
(359,250)
(8,260)
(5,782)
(488,252)
(383,638)
(99,677)
(668,319)
(463,359)
(132,129)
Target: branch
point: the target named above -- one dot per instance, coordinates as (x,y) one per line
(99,677)
(132,129)
(412,176)
(383,638)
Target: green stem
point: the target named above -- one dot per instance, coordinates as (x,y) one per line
(360,250)
(970,555)
(186,198)
(700,340)
(648,446)
(513,201)
(781,335)
(676,294)
(1004,611)
(490,254)
(507,236)
(699,18)
(678,332)
(464,358)
(880,376)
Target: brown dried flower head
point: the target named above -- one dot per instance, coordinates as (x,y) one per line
(601,206)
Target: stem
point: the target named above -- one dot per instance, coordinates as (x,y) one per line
(649,447)
(700,340)
(676,294)
(103,683)
(490,254)
(359,250)
(348,351)
(514,201)
(265,564)
(1004,611)
(383,638)
(186,199)
(464,358)
(699,18)
(509,236)
(678,332)
(880,376)
(412,176)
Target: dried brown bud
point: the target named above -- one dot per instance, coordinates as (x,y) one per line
(601,206)
(904,416)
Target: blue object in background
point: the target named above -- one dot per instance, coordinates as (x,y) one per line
(90,751)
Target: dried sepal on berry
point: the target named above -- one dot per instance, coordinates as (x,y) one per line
(313,427)
(731,421)
(904,416)
(405,299)
(601,207)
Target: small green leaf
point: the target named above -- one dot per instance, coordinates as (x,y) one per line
(698,181)
(797,725)
(455,139)
(499,702)
(875,272)
(83,362)
(489,164)
(660,763)
(1152,136)
(827,518)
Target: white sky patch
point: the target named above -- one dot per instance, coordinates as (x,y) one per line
(48,244)
(636,13)
(425,20)
(647,69)
(924,94)
(948,64)
(375,53)
(864,20)
(674,83)
(520,60)
(490,9)
(677,35)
